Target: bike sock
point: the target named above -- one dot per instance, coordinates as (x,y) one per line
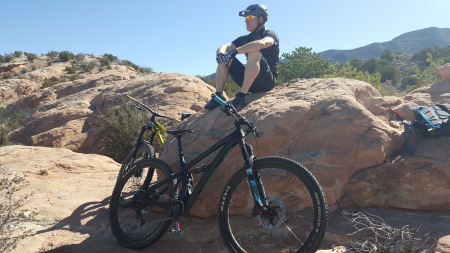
(219,94)
(240,94)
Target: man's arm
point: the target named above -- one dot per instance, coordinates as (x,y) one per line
(256,45)
(224,49)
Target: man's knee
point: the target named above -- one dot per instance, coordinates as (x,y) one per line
(254,57)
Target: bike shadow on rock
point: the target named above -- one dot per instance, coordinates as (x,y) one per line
(87,230)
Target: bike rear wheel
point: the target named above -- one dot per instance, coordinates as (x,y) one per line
(297,217)
(133,223)
(145,150)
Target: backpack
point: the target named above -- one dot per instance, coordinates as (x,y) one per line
(429,121)
(432,121)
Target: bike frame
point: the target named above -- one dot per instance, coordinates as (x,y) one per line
(152,125)
(155,128)
(225,145)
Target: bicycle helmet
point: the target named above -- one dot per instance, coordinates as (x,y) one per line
(256,10)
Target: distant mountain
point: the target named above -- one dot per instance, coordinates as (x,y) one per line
(409,43)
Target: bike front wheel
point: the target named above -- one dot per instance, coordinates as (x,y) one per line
(134,223)
(295,220)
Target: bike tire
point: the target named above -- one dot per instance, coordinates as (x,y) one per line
(145,150)
(135,224)
(286,183)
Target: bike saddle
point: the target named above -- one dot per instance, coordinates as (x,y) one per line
(179,132)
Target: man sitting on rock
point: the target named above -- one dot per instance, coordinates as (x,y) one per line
(261,47)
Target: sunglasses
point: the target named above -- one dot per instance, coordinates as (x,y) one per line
(249,17)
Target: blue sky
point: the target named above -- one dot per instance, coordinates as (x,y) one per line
(182,36)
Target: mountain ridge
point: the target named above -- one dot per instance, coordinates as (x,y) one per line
(409,43)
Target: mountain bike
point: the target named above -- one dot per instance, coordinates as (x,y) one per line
(144,148)
(271,204)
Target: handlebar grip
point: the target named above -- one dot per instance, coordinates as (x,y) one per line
(218,100)
(132,99)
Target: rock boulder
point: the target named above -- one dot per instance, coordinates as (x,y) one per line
(62,115)
(325,124)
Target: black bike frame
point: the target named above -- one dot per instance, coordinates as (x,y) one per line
(226,145)
(148,126)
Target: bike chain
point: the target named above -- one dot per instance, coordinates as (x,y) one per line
(168,218)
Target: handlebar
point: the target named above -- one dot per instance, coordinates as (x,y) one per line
(231,111)
(139,105)
(132,99)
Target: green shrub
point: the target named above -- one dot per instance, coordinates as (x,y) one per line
(52,54)
(7,75)
(75,77)
(31,57)
(419,76)
(120,129)
(66,56)
(9,57)
(4,130)
(2,59)
(103,62)
(108,59)
(142,70)
(348,71)
(80,57)
(129,64)
(17,54)
(9,120)
(145,70)
(48,83)
(303,63)
(111,58)
(71,70)
(88,66)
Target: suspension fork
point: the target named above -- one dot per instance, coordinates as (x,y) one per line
(258,192)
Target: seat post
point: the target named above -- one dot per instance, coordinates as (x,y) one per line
(180,151)
(179,134)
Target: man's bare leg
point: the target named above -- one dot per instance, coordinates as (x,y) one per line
(221,77)
(251,70)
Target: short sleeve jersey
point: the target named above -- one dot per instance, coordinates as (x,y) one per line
(271,54)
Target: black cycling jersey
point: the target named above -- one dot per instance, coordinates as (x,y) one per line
(271,54)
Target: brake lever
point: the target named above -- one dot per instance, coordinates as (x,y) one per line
(226,110)
(252,129)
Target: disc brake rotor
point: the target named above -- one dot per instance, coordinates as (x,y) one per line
(280,219)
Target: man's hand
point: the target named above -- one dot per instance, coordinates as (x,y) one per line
(228,57)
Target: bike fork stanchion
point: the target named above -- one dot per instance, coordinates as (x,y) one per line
(257,191)
(255,184)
